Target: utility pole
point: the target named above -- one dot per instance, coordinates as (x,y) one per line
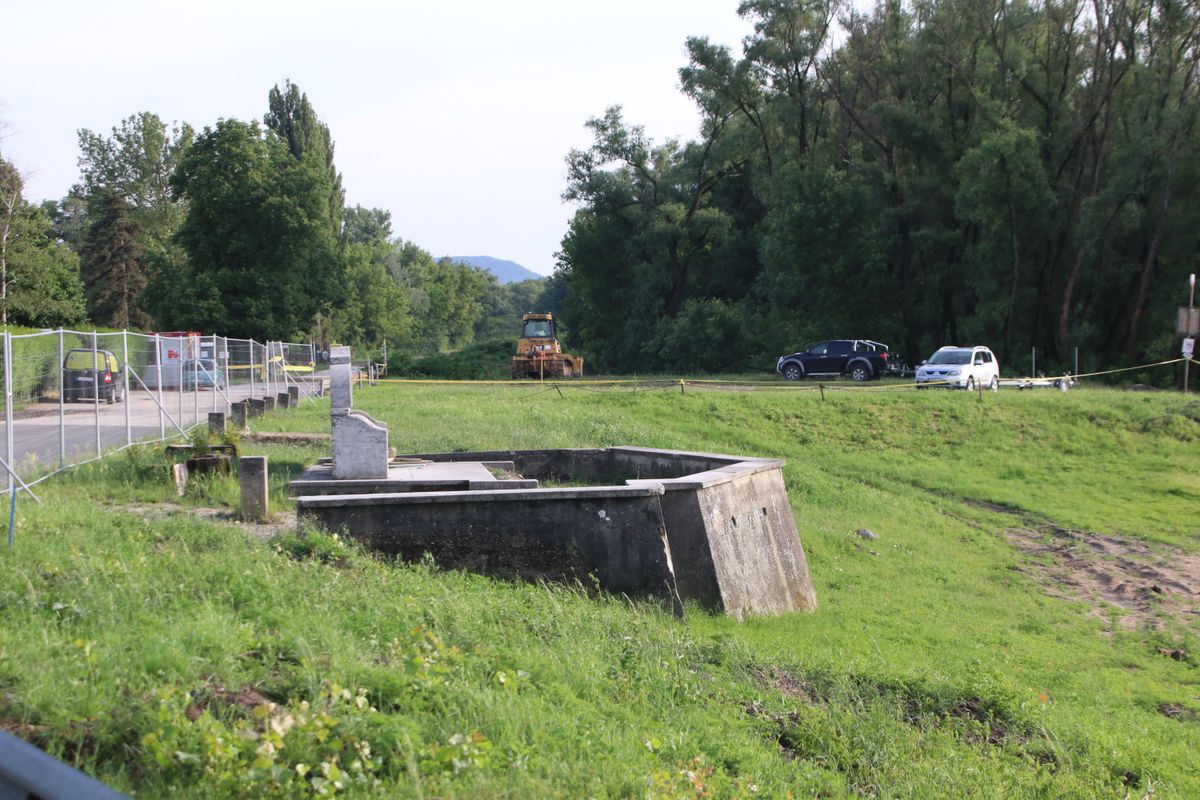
(1189,342)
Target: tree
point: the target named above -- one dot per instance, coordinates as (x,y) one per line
(292,117)
(137,161)
(39,276)
(262,258)
(111,267)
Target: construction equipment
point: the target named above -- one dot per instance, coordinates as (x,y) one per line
(539,355)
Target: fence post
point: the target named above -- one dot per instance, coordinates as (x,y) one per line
(162,424)
(62,408)
(8,408)
(182,425)
(96,389)
(125,382)
(253,367)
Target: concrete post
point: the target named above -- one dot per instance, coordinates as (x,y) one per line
(258,406)
(254,488)
(340,392)
(216,424)
(294,391)
(238,414)
(283,400)
(268,403)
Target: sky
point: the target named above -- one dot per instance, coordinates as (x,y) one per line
(455,117)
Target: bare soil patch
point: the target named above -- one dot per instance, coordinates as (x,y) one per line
(1147,585)
(264,530)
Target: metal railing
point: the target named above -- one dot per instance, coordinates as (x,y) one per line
(71,397)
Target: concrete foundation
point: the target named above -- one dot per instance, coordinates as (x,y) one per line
(714,529)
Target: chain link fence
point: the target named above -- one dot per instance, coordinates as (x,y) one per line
(73,396)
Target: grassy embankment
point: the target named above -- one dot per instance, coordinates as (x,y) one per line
(143,644)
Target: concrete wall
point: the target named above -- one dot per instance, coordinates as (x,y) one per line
(615,534)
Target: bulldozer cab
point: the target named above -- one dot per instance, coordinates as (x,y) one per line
(538,329)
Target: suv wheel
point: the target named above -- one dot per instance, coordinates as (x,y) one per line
(793,372)
(970,383)
(995,383)
(859,372)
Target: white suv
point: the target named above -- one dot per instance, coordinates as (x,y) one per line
(962,367)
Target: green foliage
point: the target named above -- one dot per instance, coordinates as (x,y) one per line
(936,173)
(171,654)
(262,260)
(113,272)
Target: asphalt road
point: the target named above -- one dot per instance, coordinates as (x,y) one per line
(47,435)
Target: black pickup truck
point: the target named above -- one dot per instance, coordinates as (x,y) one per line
(860,359)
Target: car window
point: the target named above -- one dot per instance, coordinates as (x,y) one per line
(979,358)
(83,359)
(819,349)
(951,357)
(838,348)
(112,364)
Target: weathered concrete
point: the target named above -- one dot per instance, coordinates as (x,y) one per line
(294,392)
(238,412)
(283,400)
(732,541)
(268,403)
(341,395)
(257,407)
(253,475)
(528,533)
(414,477)
(360,446)
(216,424)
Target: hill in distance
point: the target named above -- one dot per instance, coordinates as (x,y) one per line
(505,271)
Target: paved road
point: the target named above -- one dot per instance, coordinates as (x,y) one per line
(46,435)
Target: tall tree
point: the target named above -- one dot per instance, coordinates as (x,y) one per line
(262,258)
(111,267)
(292,117)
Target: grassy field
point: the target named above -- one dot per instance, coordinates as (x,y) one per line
(1025,625)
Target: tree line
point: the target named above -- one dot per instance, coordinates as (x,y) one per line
(1017,174)
(241,229)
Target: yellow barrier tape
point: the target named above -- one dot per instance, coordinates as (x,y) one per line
(670,383)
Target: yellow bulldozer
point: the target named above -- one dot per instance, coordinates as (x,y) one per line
(539,355)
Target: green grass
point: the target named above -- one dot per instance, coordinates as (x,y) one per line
(136,645)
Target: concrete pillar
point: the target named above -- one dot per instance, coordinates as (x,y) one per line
(268,403)
(254,488)
(340,392)
(216,424)
(283,400)
(257,407)
(238,414)
(294,392)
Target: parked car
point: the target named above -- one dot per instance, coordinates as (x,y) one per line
(960,367)
(202,374)
(860,359)
(92,374)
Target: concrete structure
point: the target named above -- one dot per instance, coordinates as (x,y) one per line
(714,529)
(238,412)
(257,407)
(268,403)
(283,400)
(216,423)
(360,443)
(253,476)
(294,391)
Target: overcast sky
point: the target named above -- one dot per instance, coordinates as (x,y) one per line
(456,117)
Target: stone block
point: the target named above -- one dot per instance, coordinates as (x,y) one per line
(238,414)
(216,424)
(341,395)
(254,505)
(294,393)
(360,446)
(268,403)
(257,407)
(283,400)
